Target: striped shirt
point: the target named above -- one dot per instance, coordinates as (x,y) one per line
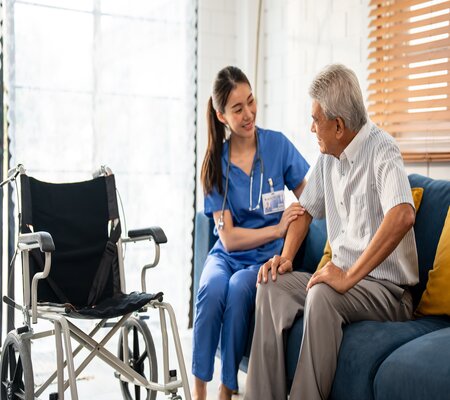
(355,192)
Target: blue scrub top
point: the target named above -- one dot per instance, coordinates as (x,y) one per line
(285,165)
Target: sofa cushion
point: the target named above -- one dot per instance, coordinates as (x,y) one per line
(429,224)
(436,297)
(420,370)
(364,347)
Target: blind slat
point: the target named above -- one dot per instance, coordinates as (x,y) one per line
(407,49)
(406,105)
(405,94)
(403,83)
(404,61)
(400,117)
(426,157)
(404,15)
(417,126)
(399,5)
(407,25)
(404,38)
(404,73)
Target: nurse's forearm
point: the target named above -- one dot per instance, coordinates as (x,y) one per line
(236,238)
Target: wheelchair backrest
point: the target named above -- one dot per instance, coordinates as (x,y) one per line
(77,216)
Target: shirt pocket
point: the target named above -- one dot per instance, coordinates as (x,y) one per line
(358,224)
(278,183)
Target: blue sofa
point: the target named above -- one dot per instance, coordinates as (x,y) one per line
(377,360)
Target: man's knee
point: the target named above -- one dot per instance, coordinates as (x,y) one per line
(319,298)
(264,293)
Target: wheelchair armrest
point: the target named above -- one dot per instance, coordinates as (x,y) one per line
(154,232)
(157,235)
(43,240)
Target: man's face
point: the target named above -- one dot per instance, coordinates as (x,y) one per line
(325,130)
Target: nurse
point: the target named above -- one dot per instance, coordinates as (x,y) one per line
(244,173)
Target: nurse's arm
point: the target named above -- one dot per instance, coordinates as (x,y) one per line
(236,238)
(299,189)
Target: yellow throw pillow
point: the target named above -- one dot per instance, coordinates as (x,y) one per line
(417,194)
(326,256)
(436,297)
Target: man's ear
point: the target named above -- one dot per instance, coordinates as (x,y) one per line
(221,118)
(340,127)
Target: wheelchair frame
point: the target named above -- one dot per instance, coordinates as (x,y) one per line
(64,330)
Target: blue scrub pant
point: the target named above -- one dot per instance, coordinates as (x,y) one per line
(225,301)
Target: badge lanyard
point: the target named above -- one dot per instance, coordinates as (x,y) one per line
(250,208)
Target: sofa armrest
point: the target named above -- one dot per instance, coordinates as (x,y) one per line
(203,241)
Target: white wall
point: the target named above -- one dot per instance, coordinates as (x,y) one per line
(226,36)
(300,38)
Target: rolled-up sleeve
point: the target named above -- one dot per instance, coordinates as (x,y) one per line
(313,196)
(213,202)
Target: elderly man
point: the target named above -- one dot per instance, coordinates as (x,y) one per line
(360,185)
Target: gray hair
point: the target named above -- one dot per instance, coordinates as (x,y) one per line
(336,89)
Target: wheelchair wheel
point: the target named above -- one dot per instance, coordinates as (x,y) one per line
(16,370)
(142,358)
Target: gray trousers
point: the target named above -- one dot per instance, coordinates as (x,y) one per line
(325,312)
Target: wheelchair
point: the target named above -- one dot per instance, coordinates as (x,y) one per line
(71,244)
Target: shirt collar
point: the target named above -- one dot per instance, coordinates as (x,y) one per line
(351,151)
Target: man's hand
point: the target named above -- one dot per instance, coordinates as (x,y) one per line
(333,276)
(277,264)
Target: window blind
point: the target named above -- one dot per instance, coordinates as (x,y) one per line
(409,83)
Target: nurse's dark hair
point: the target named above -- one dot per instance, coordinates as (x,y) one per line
(226,80)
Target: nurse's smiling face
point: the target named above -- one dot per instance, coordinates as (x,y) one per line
(240,111)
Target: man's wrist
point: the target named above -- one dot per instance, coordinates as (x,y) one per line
(287,256)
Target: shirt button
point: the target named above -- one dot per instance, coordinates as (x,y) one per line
(342,231)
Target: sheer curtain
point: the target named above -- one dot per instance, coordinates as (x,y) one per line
(110,82)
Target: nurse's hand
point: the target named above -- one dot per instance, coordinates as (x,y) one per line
(290,214)
(277,265)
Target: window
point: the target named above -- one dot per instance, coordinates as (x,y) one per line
(409,84)
(112,82)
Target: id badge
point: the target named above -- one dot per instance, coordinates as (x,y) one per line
(273,202)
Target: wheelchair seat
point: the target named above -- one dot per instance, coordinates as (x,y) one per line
(71,240)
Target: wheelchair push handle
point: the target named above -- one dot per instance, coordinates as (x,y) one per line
(12,174)
(102,171)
